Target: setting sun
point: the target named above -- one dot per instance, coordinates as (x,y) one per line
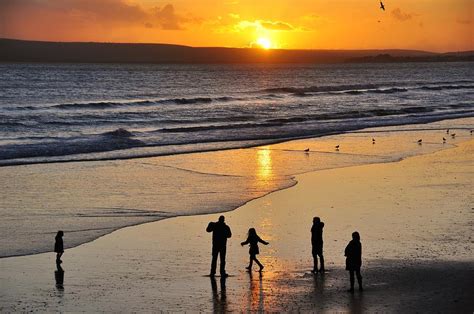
(441,26)
(264,43)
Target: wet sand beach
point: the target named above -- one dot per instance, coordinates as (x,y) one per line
(415,217)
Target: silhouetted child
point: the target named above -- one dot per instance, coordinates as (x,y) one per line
(353,253)
(59,246)
(253,240)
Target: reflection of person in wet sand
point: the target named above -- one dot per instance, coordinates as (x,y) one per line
(256,296)
(59,246)
(253,240)
(220,233)
(219,303)
(317,243)
(353,253)
(59,277)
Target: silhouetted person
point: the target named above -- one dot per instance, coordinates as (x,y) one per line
(353,253)
(253,240)
(317,243)
(220,233)
(59,246)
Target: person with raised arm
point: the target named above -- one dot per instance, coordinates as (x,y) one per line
(220,233)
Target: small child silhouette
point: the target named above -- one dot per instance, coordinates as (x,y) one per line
(253,240)
(59,246)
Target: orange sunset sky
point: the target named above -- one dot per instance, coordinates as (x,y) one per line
(435,25)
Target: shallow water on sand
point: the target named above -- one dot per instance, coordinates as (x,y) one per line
(90,199)
(414,217)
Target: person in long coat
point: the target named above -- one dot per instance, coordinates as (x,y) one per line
(353,253)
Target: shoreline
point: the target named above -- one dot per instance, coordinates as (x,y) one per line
(160,265)
(264,142)
(290,178)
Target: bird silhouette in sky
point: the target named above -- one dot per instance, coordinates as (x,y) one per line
(382,6)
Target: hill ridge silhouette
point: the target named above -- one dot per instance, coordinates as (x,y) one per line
(14,50)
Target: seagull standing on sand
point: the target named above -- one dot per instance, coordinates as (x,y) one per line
(306,150)
(382,6)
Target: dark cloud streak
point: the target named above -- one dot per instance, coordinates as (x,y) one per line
(168,19)
(463,21)
(401,16)
(74,13)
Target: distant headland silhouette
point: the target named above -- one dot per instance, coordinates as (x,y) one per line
(13,50)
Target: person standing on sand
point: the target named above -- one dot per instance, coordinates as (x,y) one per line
(253,240)
(353,253)
(59,246)
(220,233)
(317,243)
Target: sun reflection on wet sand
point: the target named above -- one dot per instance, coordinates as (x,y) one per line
(256,295)
(265,166)
(261,295)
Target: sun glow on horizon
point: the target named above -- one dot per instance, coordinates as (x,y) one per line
(264,43)
(441,26)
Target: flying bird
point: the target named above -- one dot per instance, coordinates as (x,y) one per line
(382,6)
(337,147)
(453,135)
(444,140)
(447,131)
(306,150)
(373,141)
(420,141)
(471,131)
